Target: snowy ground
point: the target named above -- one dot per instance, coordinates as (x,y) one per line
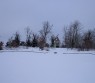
(54,66)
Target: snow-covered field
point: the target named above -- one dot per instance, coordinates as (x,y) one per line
(53,66)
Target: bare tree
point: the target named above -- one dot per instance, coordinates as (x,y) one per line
(28,36)
(66,37)
(45,30)
(72,35)
(41,43)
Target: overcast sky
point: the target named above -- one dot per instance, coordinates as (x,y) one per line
(16,15)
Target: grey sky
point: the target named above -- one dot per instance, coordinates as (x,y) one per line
(15,15)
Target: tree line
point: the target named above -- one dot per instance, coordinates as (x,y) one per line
(73,38)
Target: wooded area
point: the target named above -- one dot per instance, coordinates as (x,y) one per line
(73,37)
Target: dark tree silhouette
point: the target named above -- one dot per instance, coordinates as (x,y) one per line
(1,45)
(88,40)
(52,40)
(55,42)
(35,40)
(17,39)
(9,42)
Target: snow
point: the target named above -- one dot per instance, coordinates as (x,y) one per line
(54,66)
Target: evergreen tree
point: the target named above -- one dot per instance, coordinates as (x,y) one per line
(35,41)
